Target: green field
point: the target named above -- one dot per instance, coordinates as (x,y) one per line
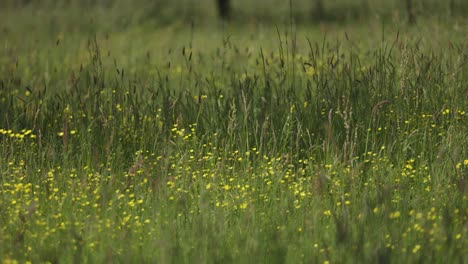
(153,132)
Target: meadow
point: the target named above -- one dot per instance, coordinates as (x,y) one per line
(149,132)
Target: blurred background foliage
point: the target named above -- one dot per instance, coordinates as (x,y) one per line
(162,12)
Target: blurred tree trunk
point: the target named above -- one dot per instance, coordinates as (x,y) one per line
(452,7)
(410,11)
(224,8)
(319,11)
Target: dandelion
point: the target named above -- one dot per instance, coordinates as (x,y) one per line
(395,215)
(10,261)
(310,71)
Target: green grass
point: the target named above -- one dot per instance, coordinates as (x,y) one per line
(133,138)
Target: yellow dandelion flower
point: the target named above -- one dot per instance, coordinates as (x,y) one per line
(416,249)
(395,215)
(310,71)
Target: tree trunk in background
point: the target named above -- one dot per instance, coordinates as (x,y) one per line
(224,8)
(319,11)
(452,7)
(410,11)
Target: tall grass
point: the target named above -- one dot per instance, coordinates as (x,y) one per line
(318,151)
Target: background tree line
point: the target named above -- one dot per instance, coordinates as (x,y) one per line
(225,9)
(308,10)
